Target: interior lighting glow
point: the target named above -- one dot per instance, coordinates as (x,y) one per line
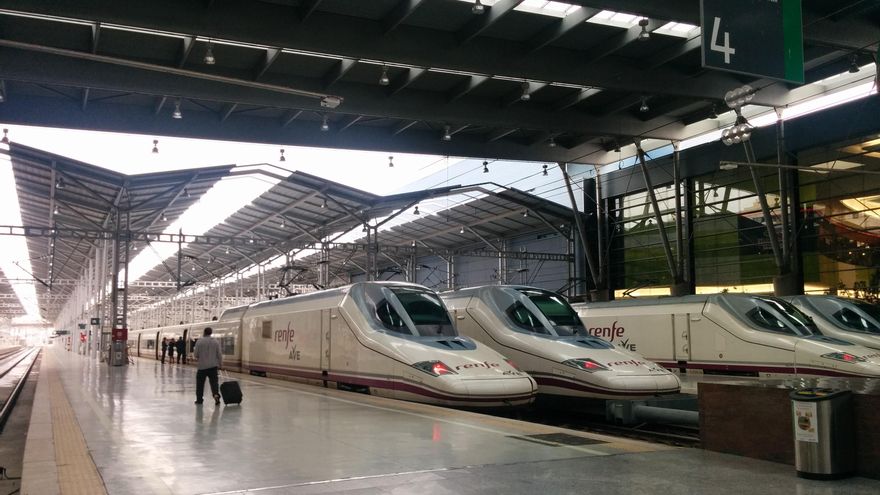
(228,195)
(617,19)
(16,263)
(679,29)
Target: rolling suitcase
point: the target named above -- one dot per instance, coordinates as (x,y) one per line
(230,391)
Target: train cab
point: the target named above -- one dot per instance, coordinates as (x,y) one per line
(843,318)
(541,332)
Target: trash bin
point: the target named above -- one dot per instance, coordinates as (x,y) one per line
(824,437)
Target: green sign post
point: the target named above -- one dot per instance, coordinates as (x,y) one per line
(762,38)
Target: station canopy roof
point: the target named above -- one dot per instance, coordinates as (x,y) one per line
(67,208)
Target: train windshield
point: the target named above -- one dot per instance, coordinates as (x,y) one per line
(409,311)
(855,316)
(539,311)
(774,315)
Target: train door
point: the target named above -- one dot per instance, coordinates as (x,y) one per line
(681,337)
(328,316)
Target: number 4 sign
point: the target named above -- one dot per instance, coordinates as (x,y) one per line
(726,49)
(762,38)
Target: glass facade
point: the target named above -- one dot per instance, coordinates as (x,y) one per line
(838,229)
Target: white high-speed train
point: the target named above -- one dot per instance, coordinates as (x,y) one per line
(735,334)
(544,336)
(843,318)
(390,339)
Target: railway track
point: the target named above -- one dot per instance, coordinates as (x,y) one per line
(595,422)
(14,370)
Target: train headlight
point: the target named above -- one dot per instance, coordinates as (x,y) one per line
(845,357)
(585,364)
(434,368)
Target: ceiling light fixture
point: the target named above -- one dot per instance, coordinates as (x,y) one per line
(478,8)
(545,170)
(739,97)
(164,218)
(853,63)
(324,125)
(227,250)
(741,130)
(416,211)
(55,211)
(526,91)
(644,107)
(525,213)
(209,55)
(155,146)
(5,139)
(364,229)
(186,192)
(59,184)
(446,133)
(282,159)
(383,79)
(644,35)
(324,204)
(282,223)
(390,162)
(177,114)
(485,167)
(552,142)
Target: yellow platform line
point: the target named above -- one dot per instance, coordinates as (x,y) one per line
(76,471)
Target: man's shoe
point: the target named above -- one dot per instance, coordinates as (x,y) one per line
(216,399)
(198,402)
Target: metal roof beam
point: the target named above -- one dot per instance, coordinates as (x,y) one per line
(307,8)
(468,84)
(399,14)
(269,58)
(559,28)
(337,72)
(618,41)
(407,77)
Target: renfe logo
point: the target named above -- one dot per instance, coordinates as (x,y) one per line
(285,335)
(484,364)
(607,333)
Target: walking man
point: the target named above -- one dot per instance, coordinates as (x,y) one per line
(164,348)
(209,357)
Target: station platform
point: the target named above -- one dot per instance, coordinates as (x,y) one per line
(134,429)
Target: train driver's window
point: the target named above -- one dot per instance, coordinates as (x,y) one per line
(389,317)
(766,319)
(525,318)
(855,321)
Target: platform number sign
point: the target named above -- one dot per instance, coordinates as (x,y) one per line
(762,38)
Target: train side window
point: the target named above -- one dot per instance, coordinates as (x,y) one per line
(227,345)
(267,329)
